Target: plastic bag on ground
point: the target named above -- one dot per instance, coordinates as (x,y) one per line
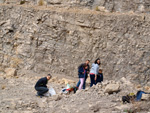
(64,91)
(47,94)
(52,91)
(68,86)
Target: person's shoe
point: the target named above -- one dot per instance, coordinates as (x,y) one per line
(39,95)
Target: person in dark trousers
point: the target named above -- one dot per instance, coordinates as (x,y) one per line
(99,76)
(86,74)
(81,74)
(41,87)
(94,71)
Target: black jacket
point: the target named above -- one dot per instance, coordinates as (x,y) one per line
(41,82)
(88,69)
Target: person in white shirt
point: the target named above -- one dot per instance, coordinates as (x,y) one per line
(94,71)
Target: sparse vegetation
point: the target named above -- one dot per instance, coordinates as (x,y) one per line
(128,111)
(135,108)
(96,8)
(41,2)
(22,2)
(3,87)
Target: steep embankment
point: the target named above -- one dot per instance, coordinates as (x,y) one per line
(58,40)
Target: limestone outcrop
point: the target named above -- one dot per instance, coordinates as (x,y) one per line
(139,6)
(58,40)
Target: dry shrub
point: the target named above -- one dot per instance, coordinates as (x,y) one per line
(41,2)
(139,107)
(135,107)
(3,87)
(22,2)
(96,8)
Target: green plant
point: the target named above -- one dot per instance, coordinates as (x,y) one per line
(129,111)
(22,2)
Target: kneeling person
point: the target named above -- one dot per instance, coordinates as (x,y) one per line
(40,86)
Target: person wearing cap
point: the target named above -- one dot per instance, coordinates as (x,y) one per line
(41,86)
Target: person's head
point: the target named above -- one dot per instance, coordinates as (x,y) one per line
(85,66)
(100,71)
(49,76)
(87,61)
(97,61)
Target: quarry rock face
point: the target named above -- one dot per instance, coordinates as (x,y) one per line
(55,36)
(48,40)
(140,6)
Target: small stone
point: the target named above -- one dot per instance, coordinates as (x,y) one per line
(10,72)
(3,87)
(57,97)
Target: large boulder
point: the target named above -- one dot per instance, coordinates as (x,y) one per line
(110,88)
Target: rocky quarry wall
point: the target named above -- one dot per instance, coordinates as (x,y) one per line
(110,5)
(59,39)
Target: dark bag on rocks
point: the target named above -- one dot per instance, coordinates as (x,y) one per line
(128,98)
(132,97)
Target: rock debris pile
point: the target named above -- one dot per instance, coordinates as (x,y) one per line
(18,95)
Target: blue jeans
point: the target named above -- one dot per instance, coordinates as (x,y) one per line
(92,80)
(139,95)
(41,90)
(84,84)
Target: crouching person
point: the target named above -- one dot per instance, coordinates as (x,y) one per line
(41,87)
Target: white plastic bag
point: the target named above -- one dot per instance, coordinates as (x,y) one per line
(52,91)
(47,94)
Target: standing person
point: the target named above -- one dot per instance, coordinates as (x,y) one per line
(41,87)
(86,74)
(94,72)
(81,74)
(99,76)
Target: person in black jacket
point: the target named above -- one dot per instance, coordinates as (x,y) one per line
(86,74)
(40,86)
(81,74)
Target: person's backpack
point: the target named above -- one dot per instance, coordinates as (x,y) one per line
(132,97)
(128,98)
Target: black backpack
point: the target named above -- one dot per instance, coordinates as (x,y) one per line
(128,98)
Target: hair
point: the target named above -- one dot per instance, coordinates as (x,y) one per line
(96,61)
(84,65)
(49,75)
(88,60)
(100,70)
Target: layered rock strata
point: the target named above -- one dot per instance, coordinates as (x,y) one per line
(59,39)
